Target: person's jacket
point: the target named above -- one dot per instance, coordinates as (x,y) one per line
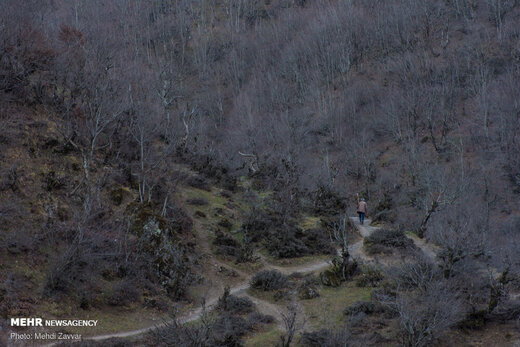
(362,207)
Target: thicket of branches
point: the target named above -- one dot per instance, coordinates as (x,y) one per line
(300,92)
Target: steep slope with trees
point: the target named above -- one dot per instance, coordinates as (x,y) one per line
(142,141)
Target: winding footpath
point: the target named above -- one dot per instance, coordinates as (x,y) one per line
(355,250)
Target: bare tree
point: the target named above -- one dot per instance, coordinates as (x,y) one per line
(424,301)
(292,322)
(440,190)
(94,100)
(148,122)
(339,234)
(422,318)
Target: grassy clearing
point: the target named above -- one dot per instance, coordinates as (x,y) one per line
(269,336)
(213,197)
(310,222)
(218,206)
(327,310)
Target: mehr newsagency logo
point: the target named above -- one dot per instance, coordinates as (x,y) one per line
(40,322)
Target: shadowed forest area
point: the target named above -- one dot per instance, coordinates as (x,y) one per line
(190,167)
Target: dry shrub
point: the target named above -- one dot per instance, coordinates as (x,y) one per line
(384,241)
(268,280)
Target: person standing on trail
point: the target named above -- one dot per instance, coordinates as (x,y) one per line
(361,209)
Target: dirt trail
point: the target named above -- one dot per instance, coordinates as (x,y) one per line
(211,265)
(267,308)
(287,270)
(365,230)
(240,290)
(428,249)
(356,251)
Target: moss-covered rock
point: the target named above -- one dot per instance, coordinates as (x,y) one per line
(159,239)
